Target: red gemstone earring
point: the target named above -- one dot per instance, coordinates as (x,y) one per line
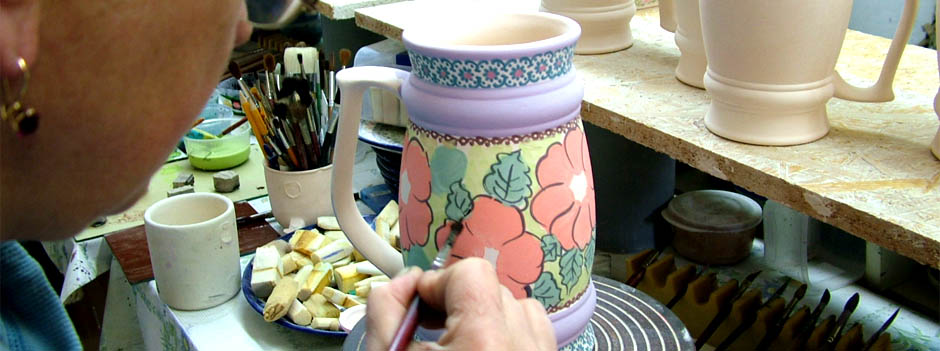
(23,119)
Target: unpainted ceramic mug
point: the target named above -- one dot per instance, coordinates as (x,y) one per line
(193,246)
(771,67)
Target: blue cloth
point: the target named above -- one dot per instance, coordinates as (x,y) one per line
(31,315)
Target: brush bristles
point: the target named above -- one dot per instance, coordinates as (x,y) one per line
(344,56)
(269,63)
(234,69)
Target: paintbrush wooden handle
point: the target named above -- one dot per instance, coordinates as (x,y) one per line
(234,126)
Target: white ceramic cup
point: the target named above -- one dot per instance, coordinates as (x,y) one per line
(298,198)
(605,24)
(771,67)
(682,17)
(194,250)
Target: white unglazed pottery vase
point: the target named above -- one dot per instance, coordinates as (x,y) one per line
(682,17)
(605,24)
(771,67)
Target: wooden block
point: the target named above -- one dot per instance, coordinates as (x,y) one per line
(654,280)
(741,310)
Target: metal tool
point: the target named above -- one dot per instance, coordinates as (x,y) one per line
(774,331)
(637,276)
(723,313)
(874,337)
(749,319)
(840,323)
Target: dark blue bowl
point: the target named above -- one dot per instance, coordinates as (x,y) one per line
(258,305)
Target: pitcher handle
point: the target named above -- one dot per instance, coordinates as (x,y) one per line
(667,15)
(883,89)
(353,83)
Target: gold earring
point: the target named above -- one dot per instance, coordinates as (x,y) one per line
(23,119)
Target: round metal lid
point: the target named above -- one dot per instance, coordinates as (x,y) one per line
(713,210)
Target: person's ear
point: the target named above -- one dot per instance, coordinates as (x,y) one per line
(19,34)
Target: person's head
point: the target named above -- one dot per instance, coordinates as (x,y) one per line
(116,84)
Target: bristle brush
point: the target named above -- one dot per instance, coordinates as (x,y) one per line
(270,63)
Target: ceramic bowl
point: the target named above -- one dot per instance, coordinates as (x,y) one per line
(713,226)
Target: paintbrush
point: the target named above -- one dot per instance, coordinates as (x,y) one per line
(311,143)
(233,126)
(750,318)
(197,122)
(637,276)
(773,332)
(807,328)
(409,323)
(684,288)
(724,312)
(236,72)
(270,63)
(874,337)
(840,323)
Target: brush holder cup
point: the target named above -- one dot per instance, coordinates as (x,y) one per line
(771,67)
(495,141)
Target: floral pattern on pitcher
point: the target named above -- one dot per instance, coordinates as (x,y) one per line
(496,73)
(566,178)
(512,197)
(414,191)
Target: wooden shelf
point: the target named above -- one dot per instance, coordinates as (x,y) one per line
(345,9)
(872,176)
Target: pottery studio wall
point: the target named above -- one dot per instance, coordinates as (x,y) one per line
(880,17)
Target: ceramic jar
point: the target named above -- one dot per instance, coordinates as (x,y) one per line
(605,24)
(495,141)
(771,67)
(682,17)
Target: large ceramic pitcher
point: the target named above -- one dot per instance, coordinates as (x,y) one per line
(771,67)
(682,17)
(495,141)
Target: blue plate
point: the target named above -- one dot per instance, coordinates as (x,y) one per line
(383,136)
(258,305)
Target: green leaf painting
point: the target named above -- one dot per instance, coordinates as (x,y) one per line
(416,257)
(448,165)
(459,202)
(570,267)
(589,256)
(509,180)
(545,290)
(551,249)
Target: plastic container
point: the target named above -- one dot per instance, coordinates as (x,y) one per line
(810,251)
(222,153)
(713,226)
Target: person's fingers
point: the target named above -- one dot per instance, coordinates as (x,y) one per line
(470,293)
(538,322)
(467,286)
(386,308)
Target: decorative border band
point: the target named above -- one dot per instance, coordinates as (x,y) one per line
(573,124)
(554,309)
(496,73)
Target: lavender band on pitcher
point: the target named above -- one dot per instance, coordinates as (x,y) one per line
(495,73)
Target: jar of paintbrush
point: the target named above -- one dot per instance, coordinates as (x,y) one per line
(288,109)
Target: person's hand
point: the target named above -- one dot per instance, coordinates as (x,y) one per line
(481,313)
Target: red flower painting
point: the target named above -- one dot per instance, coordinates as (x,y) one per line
(565,204)
(414,190)
(496,232)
